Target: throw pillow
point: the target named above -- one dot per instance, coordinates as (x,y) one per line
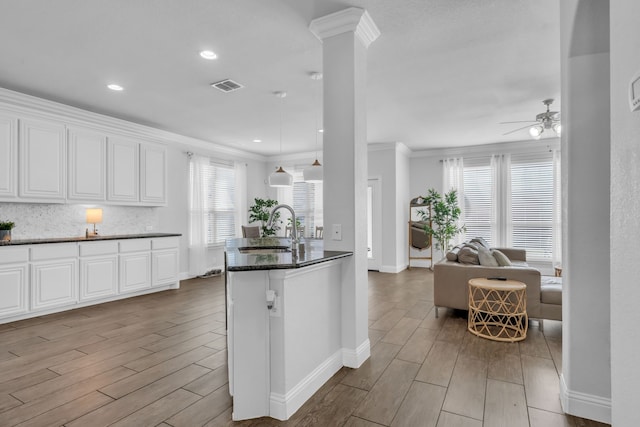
(472,245)
(480,241)
(501,258)
(468,255)
(486,258)
(452,255)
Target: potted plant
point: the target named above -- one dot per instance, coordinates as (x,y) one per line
(441,223)
(260,211)
(5,230)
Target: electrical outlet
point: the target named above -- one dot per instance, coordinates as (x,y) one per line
(336,232)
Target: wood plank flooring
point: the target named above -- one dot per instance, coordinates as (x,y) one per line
(160,360)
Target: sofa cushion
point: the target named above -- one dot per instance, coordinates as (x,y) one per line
(501,258)
(468,255)
(452,255)
(551,290)
(480,241)
(486,258)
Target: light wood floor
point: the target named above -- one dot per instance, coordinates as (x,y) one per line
(160,360)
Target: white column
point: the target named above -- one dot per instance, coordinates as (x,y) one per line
(346,36)
(585,387)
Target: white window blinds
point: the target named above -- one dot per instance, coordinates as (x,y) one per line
(478,199)
(306,200)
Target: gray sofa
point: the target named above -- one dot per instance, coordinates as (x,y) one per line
(451,278)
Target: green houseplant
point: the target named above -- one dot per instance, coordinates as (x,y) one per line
(5,230)
(259,212)
(441,223)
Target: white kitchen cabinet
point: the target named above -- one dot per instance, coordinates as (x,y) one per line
(164,261)
(98,270)
(14,275)
(123,170)
(8,157)
(54,275)
(153,174)
(135,265)
(42,160)
(87,165)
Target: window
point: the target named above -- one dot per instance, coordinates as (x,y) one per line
(219,188)
(512,201)
(306,200)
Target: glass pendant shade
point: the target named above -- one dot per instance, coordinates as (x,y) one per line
(313,173)
(280,178)
(536,131)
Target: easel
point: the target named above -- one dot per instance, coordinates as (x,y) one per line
(418,241)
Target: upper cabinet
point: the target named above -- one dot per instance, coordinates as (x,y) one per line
(153,174)
(42,160)
(8,157)
(123,170)
(87,165)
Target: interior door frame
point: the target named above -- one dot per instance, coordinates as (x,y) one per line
(375,183)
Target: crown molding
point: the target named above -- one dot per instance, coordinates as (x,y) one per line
(353,19)
(525,146)
(20,103)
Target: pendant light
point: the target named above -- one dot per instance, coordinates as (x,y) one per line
(280,178)
(315,173)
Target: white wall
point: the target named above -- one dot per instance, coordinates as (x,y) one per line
(585,388)
(625,206)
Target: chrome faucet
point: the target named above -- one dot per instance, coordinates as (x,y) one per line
(294,228)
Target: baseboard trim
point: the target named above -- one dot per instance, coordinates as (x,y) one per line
(355,358)
(282,406)
(584,405)
(392,268)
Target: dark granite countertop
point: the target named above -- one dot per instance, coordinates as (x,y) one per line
(313,253)
(86,239)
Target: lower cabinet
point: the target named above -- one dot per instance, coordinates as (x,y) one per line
(14,283)
(98,270)
(52,277)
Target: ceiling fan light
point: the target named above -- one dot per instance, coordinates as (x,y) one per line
(558,128)
(536,131)
(313,173)
(280,178)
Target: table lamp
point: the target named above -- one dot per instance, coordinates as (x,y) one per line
(94,216)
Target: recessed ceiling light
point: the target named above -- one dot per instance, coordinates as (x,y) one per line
(115,87)
(257,140)
(208,54)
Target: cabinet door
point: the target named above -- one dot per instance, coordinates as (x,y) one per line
(42,160)
(135,271)
(98,277)
(8,157)
(164,267)
(153,172)
(122,170)
(87,165)
(13,290)
(54,283)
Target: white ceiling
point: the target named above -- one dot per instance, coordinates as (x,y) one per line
(443,73)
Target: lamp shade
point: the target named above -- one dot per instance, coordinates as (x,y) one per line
(313,173)
(94,215)
(536,131)
(280,178)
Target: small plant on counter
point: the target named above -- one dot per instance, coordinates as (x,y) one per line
(260,211)
(7,225)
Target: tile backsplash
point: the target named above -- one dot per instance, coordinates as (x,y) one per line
(36,221)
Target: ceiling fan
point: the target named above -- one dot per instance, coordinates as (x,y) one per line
(546,120)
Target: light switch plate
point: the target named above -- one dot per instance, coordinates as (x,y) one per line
(336,232)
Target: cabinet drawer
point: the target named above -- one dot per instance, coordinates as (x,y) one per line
(98,248)
(54,251)
(164,243)
(135,245)
(14,255)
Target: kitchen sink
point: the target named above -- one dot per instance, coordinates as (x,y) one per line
(263,250)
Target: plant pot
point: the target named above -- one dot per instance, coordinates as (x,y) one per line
(5,236)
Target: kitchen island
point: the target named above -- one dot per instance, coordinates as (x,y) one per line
(284,323)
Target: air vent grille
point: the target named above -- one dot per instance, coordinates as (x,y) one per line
(227,85)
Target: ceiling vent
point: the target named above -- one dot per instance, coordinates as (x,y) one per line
(227,85)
